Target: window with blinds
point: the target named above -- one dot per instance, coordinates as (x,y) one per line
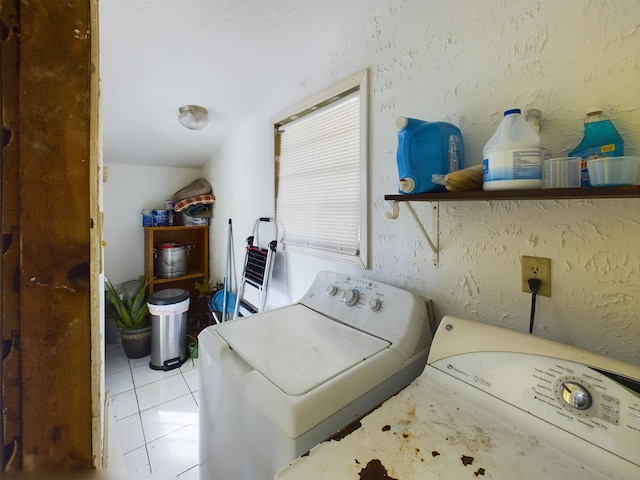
(321,174)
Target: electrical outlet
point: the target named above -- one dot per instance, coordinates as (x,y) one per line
(540,268)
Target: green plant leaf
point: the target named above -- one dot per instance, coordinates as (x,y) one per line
(130,310)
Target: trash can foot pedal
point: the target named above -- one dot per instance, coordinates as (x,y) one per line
(169,364)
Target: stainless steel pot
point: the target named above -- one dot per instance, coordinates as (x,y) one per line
(171,259)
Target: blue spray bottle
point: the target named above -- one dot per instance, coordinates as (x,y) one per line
(601,139)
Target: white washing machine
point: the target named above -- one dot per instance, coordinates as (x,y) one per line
(495,403)
(275,384)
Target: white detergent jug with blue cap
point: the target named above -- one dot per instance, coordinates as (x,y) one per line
(424,149)
(512,158)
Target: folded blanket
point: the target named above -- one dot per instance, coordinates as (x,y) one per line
(199,186)
(198,211)
(191,201)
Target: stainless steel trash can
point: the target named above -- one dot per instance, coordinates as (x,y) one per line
(168,310)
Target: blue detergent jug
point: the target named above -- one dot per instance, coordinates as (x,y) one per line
(424,149)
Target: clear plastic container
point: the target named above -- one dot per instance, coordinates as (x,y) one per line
(512,158)
(424,149)
(562,172)
(601,139)
(613,171)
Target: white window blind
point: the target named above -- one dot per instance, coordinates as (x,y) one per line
(321,179)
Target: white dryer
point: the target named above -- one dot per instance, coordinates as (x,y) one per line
(495,403)
(275,384)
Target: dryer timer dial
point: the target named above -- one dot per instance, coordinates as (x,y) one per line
(351,297)
(575,395)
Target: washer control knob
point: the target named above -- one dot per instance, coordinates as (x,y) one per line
(351,297)
(375,304)
(332,290)
(575,395)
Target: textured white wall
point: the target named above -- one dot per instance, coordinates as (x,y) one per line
(128,190)
(465,62)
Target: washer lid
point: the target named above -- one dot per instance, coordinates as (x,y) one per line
(297,348)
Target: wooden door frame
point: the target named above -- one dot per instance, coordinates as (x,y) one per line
(52,348)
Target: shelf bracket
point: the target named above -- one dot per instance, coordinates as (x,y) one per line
(435,225)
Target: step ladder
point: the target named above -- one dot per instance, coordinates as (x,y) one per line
(258,266)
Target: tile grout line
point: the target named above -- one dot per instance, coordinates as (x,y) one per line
(138,411)
(146,443)
(144,435)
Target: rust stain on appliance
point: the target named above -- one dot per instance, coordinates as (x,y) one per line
(417,451)
(479,472)
(466,460)
(374,471)
(435,453)
(386,428)
(340,434)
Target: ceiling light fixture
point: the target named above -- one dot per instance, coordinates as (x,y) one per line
(193,117)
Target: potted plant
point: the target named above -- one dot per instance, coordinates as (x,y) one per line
(200,315)
(202,311)
(192,345)
(131,313)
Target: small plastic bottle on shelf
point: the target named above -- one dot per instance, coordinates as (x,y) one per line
(171,212)
(601,139)
(533,116)
(512,158)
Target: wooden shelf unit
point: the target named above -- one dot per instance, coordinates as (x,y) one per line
(198,258)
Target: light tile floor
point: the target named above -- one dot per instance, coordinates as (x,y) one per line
(156,414)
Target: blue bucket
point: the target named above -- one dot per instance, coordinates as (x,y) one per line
(217,302)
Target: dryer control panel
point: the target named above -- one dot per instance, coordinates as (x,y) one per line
(590,396)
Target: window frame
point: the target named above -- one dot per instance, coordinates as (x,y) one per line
(355,83)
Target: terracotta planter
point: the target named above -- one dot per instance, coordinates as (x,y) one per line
(136,343)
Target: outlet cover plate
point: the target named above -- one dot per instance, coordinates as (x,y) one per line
(540,268)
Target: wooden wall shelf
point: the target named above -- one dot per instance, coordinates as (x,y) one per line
(632,191)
